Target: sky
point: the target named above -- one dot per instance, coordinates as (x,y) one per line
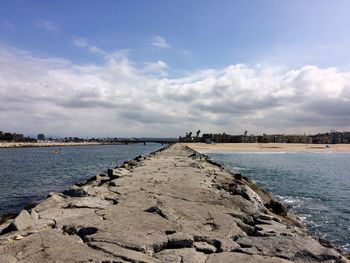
(163,68)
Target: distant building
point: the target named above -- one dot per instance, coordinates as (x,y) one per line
(331,137)
(18,137)
(227,138)
(41,137)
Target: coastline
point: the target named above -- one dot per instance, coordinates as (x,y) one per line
(51,144)
(269,147)
(173,205)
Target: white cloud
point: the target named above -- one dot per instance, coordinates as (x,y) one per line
(83,43)
(48,26)
(56,96)
(158,67)
(159,42)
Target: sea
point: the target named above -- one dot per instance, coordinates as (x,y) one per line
(27,175)
(316,186)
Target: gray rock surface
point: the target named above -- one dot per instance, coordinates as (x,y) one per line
(21,222)
(174,205)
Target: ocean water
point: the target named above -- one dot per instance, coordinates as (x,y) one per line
(29,174)
(315,185)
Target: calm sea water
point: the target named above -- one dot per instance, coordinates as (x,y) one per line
(29,174)
(315,185)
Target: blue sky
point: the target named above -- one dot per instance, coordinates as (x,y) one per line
(168,44)
(201,34)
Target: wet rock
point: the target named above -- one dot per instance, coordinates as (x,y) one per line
(277,207)
(110,172)
(97,178)
(81,183)
(118,173)
(139,158)
(75,191)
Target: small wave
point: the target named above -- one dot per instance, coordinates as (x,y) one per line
(240,168)
(290,200)
(262,153)
(237,152)
(303,218)
(345,248)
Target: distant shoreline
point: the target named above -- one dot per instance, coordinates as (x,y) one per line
(270,147)
(51,144)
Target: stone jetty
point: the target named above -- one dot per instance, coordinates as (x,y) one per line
(174,205)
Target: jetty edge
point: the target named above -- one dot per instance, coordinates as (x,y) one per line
(173,205)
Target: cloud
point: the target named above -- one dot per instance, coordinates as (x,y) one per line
(118,98)
(158,67)
(159,42)
(48,26)
(83,43)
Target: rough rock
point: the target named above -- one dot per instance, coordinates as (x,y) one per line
(239,257)
(75,191)
(204,247)
(21,222)
(277,207)
(184,255)
(89,202)
(34,215)
(180,240)
(294,248)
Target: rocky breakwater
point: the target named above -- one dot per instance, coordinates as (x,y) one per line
(174,205)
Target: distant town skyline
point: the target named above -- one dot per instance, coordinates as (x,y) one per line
(161,68)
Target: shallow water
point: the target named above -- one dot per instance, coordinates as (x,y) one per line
(29,174)
(315,185)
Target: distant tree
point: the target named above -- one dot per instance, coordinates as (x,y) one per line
(198,132)
(190,134)
(8,136)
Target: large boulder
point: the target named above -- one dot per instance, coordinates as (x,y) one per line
(21,222)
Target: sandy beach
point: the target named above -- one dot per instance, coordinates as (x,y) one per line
(269,147)
(45,144)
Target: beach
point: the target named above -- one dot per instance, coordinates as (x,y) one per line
(268,147)
(173,205)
